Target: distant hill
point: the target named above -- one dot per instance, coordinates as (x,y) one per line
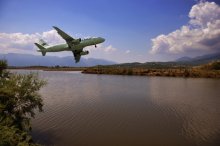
(33,60)
(183,59)
(200,59)
(181,62)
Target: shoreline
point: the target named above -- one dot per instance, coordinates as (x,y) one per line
(187,72)
(50,68)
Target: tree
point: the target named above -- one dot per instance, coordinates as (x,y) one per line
(19,98)
(3,66)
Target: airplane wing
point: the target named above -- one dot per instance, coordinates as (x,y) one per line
(77,56)
(65,36)
(69,40)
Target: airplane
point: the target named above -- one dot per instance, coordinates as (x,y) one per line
(74,45)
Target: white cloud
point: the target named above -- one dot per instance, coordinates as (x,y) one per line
(52,37)
(109,49)
(201,34)
(127,51)
(24,43)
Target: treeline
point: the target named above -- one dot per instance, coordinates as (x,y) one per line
(19,98)
(211,70)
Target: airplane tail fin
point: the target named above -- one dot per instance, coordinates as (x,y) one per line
(42,49)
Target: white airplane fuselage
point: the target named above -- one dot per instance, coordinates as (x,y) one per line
(65,47)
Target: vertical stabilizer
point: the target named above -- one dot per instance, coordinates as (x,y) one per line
(43,43)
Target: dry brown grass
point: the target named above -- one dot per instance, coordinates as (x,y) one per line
(196,72)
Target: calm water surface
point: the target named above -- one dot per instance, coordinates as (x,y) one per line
(101,110)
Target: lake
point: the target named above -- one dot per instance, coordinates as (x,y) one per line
(109,110)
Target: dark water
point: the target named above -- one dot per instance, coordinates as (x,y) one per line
(102,110)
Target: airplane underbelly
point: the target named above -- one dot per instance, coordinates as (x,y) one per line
(78,47)
(58,48)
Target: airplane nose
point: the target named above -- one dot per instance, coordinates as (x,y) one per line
(102,39)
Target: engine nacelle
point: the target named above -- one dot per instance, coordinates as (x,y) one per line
(84,53)
(76,41)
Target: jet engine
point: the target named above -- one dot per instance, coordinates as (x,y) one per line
(76,41)
(84,53)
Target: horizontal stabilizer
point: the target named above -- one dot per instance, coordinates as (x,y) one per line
(42,49)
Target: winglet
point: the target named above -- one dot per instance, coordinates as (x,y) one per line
(56,28)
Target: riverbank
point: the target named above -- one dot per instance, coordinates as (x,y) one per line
(210,70)
(197,73)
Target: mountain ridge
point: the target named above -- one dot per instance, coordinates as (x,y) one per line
(200,59)
(181,62)
(15,59)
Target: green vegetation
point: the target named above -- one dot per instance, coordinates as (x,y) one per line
(19,98)
(211,66)
(211,70)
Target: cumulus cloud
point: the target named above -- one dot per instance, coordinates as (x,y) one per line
(110,49)
(201,34)
(127,51)
(24,43)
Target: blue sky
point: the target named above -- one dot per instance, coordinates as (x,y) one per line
(127,25)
